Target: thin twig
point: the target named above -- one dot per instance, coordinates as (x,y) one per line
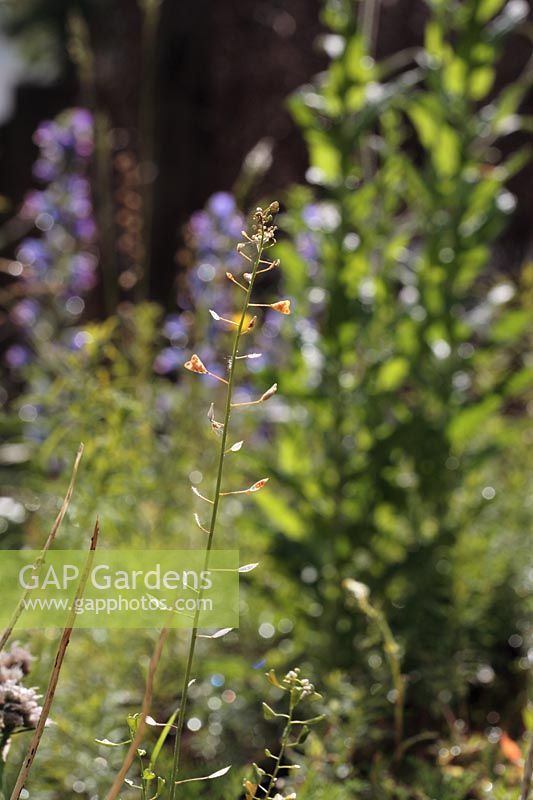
(279,758)
(47,545)
(54,676)
(116,788)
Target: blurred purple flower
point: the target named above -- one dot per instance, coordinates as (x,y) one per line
(213,235)
(176,330)
(308,247)
(200,225)
(221,205)
(82,272)
(168,360)
(17,356)
(25,313)
(60,259)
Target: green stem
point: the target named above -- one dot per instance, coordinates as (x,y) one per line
(143,782)
(398,679)
(279,758)
(214,516)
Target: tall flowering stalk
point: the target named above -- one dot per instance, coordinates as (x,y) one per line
(56,265)
(261,238)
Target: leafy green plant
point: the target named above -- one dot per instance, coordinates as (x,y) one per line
(361,594)
(150,780)
(414,349)
(295,733)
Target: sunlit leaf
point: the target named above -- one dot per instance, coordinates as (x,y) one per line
(218,774)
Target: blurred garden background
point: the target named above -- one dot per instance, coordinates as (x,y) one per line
(393,541)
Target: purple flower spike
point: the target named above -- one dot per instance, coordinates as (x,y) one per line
(60,259)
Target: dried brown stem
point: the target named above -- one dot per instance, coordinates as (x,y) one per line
(47,545)
(54,676)
(118,783)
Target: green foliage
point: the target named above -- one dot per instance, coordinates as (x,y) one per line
(404,390)
(137,456)
(400,461)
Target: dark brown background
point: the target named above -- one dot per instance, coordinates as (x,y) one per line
(223,71)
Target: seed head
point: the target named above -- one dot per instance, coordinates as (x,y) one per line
(14,663)
(18,708)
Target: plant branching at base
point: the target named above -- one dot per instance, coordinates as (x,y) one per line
(294,734)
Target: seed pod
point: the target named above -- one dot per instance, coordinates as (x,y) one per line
(282,306)
(195,365)
(269,392)
(258,485)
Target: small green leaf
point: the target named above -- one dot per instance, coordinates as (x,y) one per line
(162,738)
(486,9)
(133,723)
(268,712)
(446,152)
(324,155)
(310,721)
(480,82)
(391,374)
